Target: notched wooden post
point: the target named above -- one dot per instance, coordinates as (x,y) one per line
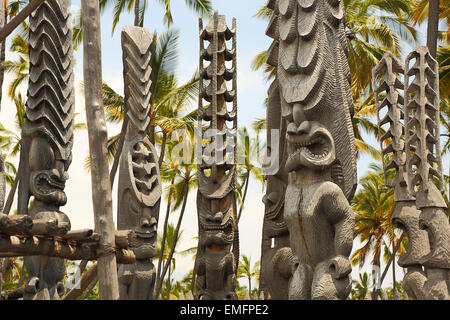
(101,188)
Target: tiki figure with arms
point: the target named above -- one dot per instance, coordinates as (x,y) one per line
(140,189)
(46,150)
(215,265)
(316,102)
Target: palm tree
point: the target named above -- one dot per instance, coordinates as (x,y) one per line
(360,288)
(164,250)
(20,67)
(433,26)
(246,270)
(183,173)
(139,7)
(422,11)
(373,205)
(248,148)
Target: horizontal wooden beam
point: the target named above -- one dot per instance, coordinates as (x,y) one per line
(13,225)
(35,246)
(77,235)
(19,18)
(13,294)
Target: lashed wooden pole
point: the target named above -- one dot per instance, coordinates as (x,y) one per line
(98,138)
(6,30)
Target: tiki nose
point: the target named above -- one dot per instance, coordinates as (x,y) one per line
(292,128)
(60,171)
(304,127)
(148,222)
(145,223)
(216,218)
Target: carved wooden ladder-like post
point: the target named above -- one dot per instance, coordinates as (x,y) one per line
(391,114)
(216,200)
(424,165)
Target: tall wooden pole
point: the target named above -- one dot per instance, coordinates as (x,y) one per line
(98,138)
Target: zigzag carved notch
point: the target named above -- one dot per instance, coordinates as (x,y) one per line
(422,119)
(50,105)
(138,47)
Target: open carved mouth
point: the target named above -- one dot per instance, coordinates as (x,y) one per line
(227,227)
(147,234)
(218,234)
(314,149)
(46,184)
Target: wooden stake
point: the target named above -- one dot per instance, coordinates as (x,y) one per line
(98,138)
(14,23)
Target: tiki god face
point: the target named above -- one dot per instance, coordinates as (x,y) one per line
(48,173)
(216,223)
(143,220)
(310,145)
(140,196)
(274,207)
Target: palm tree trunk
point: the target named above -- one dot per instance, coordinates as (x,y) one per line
(394,287)
(3,20)
(151,133)
(247,179)
(168,282)
(166,222)
(136,13)
(118,153)
(163,148)
(376,269)
(433,25)
(174,244)
(376,292)
(12,192)
(250,287)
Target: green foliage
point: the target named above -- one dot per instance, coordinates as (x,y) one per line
(373,205)
(360,288)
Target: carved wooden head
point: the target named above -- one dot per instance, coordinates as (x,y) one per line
(48,173)
(140,192)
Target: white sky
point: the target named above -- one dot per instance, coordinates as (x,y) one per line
(251,94)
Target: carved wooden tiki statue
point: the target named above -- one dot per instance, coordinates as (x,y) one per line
(46,150)
(389,100)
(316,102)
(216,203)
(139,191)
